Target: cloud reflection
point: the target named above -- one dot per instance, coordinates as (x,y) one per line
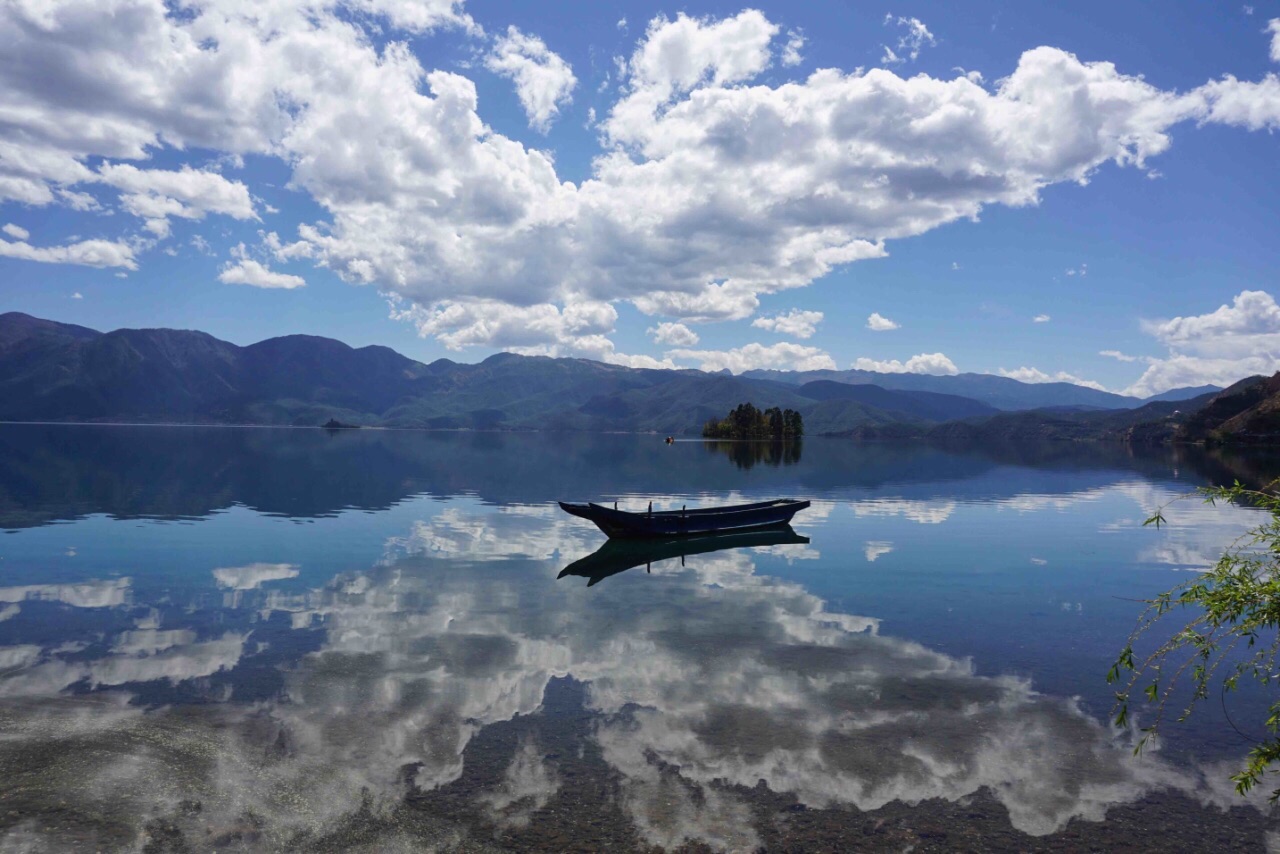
(926,512)
(85,594)
(700,683)
(254,575)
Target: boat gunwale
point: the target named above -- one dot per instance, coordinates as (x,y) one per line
(777,503)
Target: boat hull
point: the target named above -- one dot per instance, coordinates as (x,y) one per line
(621,524)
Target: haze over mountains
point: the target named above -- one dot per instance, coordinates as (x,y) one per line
(52,371)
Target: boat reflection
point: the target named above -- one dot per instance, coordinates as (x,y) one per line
(617,556)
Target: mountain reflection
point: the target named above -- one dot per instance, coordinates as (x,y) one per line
(50,473)
(432,701)
(617,556)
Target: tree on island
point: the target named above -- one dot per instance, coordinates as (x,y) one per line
(747,422)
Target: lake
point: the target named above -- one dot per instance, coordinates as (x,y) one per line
(256,639)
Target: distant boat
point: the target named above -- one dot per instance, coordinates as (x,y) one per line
(617,556)
(683,523)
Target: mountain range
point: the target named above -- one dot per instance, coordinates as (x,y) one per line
(52,371)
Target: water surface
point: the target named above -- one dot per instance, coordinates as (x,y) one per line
(261,639)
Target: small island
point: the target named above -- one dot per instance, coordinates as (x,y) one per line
(748,422)
(335,424)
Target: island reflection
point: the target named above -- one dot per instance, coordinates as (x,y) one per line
(747,454)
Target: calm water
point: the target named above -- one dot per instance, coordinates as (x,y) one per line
(263,639)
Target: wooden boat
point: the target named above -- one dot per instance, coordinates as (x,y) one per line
(617,556)
(679,523)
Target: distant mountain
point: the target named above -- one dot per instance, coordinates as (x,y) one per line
(999,392)
(1157,422)
(913,405)
(1185,393)
(59,372)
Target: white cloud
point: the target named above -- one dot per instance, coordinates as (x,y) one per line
(923,363)
(77,295)
(247,271)
(801,324)
(1035,375)
(16,231)
(622,23)
(1219,348)
(917,36)
(543,80)
(1041,318)
(1116,354)
(1082,270)
(712,187)
(673,334)
(544,329)
(783,356)
(1273,27)
(791,51)
(86,253)
(879,323)
(1248,10)
(78,201)
(955,265)
(1250,323)
(183,192)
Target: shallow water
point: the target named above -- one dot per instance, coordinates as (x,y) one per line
(261,639)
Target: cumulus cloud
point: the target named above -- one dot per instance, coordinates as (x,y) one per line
(783,356)
(800,324)
(879,323)
(193,191)
(247,271)
(16,231)
(543,80)
(791,51)
(1273,27)
(86,253)
(915,37)
(1218,348)
(1035,375)
(673,334)
(579,329)
(922,363)
(1250,323)
(711,189)
(78,201)
(1041,318)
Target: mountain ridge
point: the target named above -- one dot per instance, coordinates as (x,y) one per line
(63,372)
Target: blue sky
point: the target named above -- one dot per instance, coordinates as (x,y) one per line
(709,185)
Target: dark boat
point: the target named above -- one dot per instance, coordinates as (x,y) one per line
(680,523)
(617,556)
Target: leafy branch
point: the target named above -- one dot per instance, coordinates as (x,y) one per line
(1231,633)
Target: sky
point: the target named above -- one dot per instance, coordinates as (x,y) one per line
(1082,192)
